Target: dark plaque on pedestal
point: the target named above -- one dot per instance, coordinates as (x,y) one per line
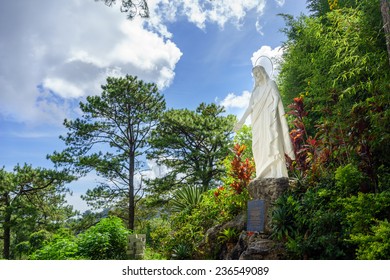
(256,215)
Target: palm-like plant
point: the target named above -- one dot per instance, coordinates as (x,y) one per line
(186,198)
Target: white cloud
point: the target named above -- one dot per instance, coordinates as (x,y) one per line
(259,27)
(237,104)
(280,2)
(77,202)
(236,101)
(261,57)
(54,51)
(152,171)
(64,88)
(201,12)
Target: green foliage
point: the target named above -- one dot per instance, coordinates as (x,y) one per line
(32,199)
(324,222)
(190,144)
(322,7)
(61,246)
(310,223)
(338,64)
(214,207)
(84,221)
(150,254)
(336,72)
(23,248)
(364,210)
(160,230)
(59,249)
(107,240)
(186,198)
(185,230)
(348,178)
(182,251)
(243,137)
(38,239)
(228,235)
(283,217)
(375,246)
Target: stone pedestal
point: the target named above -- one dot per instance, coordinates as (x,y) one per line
(136,246)
(269,190)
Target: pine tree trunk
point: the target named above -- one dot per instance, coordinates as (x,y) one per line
(386,23)
(131,191)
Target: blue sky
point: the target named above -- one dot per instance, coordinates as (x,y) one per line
(55,53)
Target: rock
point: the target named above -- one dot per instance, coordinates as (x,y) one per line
(269,189)
(256,246)
(210,247)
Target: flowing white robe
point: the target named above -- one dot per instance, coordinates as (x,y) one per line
(270,135)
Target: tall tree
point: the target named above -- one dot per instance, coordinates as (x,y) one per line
(31,199)
(110,137)
(192,145)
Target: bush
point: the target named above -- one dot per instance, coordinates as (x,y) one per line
(150,254)
(38,239)
(107,240)
(375,246)
(159,236)
(310,223)
(348,179)
(61,247)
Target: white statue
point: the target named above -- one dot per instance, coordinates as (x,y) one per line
(270,135)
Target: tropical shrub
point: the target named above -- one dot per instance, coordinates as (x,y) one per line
(158,233)
(228,235)
(374,246)
(182,251)
(186,198)
(107,240)
(348,178)
(61,246)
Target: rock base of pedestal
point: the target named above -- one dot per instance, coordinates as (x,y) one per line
(269,190)
(250,245)
(256,246)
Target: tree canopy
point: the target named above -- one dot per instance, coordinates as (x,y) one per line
(191,145)
(31,199)
(118,122)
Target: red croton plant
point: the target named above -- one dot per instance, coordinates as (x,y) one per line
(330,145)
(310,153)
(242,170)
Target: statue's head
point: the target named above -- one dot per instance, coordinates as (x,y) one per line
(260,74)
